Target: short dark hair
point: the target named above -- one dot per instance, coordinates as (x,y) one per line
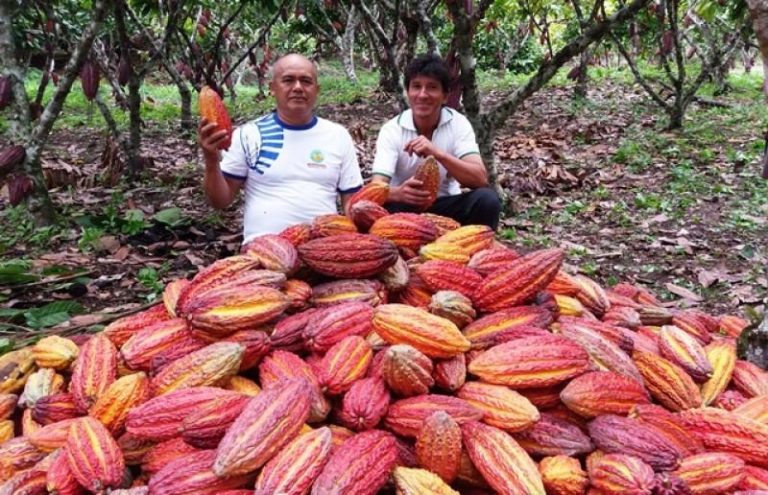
(429,65)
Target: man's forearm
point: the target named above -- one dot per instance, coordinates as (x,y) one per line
(470,173)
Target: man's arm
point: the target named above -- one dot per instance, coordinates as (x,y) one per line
(219,189)
(410,192)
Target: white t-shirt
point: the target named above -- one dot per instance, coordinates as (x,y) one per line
(292,173)
(454,135)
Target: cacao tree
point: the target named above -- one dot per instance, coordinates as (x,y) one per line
(27,129)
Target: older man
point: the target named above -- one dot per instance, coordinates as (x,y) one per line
(292,165)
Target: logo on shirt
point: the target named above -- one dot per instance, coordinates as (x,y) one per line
(316,156)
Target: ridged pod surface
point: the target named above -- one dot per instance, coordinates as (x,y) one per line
(343,291)
(257,345)
(213,109)
(41,383)
(728,432)
(406,416)
(448,275)
(503,407)
(29,482)
(214,276)
(603,392)
(722,355)
(453,306)
(283,365)
(345,362)
(434,336)
(669,425)
(330,325)
(51,437)
(171,295)
(711,473)
(349,255)
(94,456)
(531,362)
(120,330)
(273,253)
(503,463)
(563,475)
(225,311)
(160,418)
(93,372)
(54,352)
(414,481)
(592,295)
(444,251)
(407,371)
(123,395)
(438,445)
(360,466)
(750,378)
(299,293)
(428,172)
(205,427)
(54,408)
(551,435)
(294,469)
(364,404)
(620,435)
(266,425)
(161,454)
(685,351)
(191,474)
(492,259)
(494,328)
(208,366)
(519,282)
(374,191)
(618,474)
(297,234)
(405,230)
(469,239)
(450,374)
(158,344)
(668,383)
(59,478)
(331,225)
(365,213)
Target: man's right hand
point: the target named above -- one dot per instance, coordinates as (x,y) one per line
(209,137)
(410,192)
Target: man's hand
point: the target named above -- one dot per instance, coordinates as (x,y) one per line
(209,136)
(410,192)
(423,147)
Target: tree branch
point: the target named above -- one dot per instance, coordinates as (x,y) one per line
(498,115)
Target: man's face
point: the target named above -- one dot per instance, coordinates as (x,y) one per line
(294,85)
(425,96)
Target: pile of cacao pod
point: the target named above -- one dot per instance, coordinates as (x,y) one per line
(389,353)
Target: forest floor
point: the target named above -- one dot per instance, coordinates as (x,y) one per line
(682,213)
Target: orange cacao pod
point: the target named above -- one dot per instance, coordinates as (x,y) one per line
(119,331)
(341,291)
(93,372)
(531,362)
(295,468)
(685,351)
(171,295)
(344,363)
(438,445)
(503,407)
(722,355)
(519,282)
(618,474)
(210,365)
(283,365)
(159,344)
(406,416)
(500,327)
(376,192)
(711,473)
(450,374)
(273,253)
(331,225)
(750,378)
(349,255)
(603,392)
(563,475)
(447,275)
(55,352)
(94,456)
(453,306)
(212,109)
(365,213)
(330,325)
(59,478)
(205,427)
(468,239)
(489,260)
(405,230)
(122,395)
(668,383)
(407,371)
(669,425)
(297,234)
(160,418)
(360,466)
(413,481)
(157,457)
(266,425)
(54,408)
(502,462)
(428,172)
(430,334)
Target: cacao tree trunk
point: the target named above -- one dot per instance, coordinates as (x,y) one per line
(753,344)
(758,11)
(133,147)
(580,90)
(348,44)
(39,203)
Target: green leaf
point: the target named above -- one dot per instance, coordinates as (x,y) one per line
(47,320)
(10,313)
(71,307)
(6,345)
(170,216)
(16,272)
